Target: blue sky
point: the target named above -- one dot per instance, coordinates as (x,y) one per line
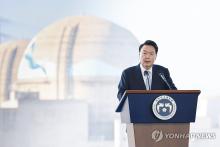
(27,17)
(139,16)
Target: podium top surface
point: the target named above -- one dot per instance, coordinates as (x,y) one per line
(160,91)
(127,92)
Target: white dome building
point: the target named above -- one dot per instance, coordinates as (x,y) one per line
(79,58)
(70,57)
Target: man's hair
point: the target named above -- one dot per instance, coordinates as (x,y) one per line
(151,43)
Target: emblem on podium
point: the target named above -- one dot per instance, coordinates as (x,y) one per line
(164,107)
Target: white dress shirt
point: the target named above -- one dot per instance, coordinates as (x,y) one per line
(145,76)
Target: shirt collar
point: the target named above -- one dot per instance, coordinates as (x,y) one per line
(143,69)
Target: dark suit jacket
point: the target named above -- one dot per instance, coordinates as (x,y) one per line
(131,79)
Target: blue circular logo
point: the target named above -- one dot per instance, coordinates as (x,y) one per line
(164,107)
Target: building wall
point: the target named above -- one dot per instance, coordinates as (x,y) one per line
(10,56)
(37,123)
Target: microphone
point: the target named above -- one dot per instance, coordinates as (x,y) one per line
(165,80)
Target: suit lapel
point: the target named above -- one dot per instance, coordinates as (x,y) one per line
(140,78)
(153,77)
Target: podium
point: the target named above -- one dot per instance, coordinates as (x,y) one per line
(158,118)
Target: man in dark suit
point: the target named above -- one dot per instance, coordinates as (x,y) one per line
(146,75)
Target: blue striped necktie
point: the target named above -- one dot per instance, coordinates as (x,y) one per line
(147,80)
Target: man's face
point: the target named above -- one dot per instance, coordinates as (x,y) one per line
(147,56)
